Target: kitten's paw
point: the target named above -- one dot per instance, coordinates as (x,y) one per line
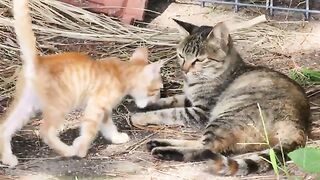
(69,152)
(168,154)
(79,147)
(10,160)
(156,143)
(120,138)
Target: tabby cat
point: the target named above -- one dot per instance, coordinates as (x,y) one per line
(57,84)
(221,96)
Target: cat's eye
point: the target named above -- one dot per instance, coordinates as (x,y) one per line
(195,61)
(212,59)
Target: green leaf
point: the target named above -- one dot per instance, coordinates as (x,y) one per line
(273,160)
(307,158)
(305,76)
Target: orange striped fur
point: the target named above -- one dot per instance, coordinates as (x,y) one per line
(57,84)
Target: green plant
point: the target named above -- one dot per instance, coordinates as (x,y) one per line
(274,161)
(307,158)
(305,76)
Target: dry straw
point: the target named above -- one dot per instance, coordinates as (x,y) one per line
(59,25)
(55,18)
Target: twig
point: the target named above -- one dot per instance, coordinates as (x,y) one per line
(139,143)
(248,24)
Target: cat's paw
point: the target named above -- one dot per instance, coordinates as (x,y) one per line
(120,138)
(139,119)
(168,154)
(156,143)
(79,148)
(10,160)
(69,151)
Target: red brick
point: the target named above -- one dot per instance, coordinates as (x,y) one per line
(109,7)
(126,10)
(134,10)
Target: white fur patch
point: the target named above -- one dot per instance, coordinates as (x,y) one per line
(18,117)
(243,168)
(120,138)
(27,105)
(141,103)
(110,132)
(25,36)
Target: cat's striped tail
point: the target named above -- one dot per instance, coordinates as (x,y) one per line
(25,36)
(216,163)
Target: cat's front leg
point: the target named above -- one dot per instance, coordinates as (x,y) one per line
(110,131)
(174,116)
(92,120)
(168,102)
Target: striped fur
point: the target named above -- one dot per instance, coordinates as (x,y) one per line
(59,83)
(221,96)
(215,163)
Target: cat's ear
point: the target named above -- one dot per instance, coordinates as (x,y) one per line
(153,69)
(185,29)
(140,54)
(220,35)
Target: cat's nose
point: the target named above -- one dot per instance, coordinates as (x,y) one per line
(186,67)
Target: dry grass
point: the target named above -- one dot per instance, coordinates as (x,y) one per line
(61,27)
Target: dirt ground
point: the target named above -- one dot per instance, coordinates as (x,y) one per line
(131,160)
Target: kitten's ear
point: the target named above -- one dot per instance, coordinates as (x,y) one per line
(185,29)
(140,54)
(220,35)
(153,69)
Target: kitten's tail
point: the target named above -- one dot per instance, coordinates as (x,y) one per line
(219,164)
(25,36)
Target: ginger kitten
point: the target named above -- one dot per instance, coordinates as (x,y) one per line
(57,84)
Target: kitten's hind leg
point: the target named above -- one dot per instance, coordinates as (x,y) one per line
(93,117)
(18,115)
(53,120)
(154,143)
(110,131)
